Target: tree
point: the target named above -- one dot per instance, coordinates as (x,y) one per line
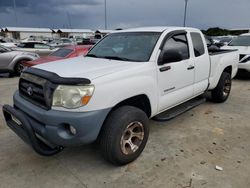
(216,31)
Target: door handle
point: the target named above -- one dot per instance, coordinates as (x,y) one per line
(163,69)
(190,67)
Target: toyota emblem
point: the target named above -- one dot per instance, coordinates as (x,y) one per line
(30,91)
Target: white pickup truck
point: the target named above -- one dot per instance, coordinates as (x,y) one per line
(108,96)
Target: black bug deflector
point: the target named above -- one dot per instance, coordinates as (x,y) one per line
(56,79)
(18,122)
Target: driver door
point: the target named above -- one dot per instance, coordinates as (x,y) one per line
(175,75)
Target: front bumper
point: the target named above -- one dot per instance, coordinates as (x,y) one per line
(51,127)
(20,124)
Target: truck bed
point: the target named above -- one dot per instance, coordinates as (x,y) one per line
(219,51)
(220,59)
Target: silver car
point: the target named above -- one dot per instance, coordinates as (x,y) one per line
(62,42)
(11,61)
(39,48)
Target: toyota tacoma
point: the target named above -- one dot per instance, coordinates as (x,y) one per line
(127,78)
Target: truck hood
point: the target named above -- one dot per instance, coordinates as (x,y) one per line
(86,67)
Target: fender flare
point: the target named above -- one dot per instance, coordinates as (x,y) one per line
(18,59)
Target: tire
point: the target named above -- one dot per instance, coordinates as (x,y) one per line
(12,74)
(126,128)
(222,91)
(19,67)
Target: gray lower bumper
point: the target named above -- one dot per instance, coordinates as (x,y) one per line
(53,125)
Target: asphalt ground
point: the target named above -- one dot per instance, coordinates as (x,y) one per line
(182,153)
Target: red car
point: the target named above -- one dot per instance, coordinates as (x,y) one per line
(62,53)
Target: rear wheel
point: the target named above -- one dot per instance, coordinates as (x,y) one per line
(222,91)
(124,135)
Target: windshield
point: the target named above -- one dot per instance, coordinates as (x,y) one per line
(62,52)
(55,41)
(241,41)
(130,46)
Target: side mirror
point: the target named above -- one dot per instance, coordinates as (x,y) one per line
(169,56)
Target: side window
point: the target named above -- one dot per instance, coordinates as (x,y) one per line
(198,44)
(26,45)
(178,43)
(41,46)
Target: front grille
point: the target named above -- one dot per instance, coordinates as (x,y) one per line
(37,90)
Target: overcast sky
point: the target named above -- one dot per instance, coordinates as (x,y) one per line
(125,13)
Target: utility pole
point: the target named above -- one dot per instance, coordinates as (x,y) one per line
(14,5)
(69,20)
(185,13)
(105,12)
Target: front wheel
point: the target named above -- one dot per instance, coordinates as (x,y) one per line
(222,91)
(124,135)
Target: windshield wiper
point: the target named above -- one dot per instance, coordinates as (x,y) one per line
(117,58)
(110,57)
(91,55)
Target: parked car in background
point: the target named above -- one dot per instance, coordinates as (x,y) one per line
(88,41)
(11,61)
(222,40)
(209,40)
(40,48)
(61,42)
(62,53)
(8,42)
(242,43)
(48,39)
(36,39)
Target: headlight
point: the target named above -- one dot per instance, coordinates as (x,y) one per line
(72,97)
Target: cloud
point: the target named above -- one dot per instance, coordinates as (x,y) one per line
(44,6)
(129,13)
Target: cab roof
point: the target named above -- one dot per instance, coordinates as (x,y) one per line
(156,29)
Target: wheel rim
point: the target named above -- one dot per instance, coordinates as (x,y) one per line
(132,138)
(227,87)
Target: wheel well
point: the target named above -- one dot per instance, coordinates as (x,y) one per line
(228,70)
(140,101)
(21,59)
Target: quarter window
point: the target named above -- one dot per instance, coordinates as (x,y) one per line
(198,44)
(178,43)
